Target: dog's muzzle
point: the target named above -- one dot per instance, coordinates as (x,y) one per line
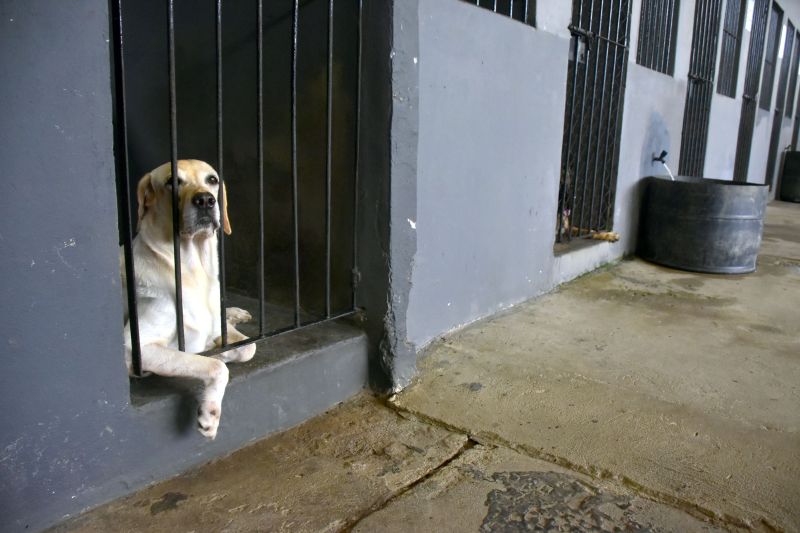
(205,214)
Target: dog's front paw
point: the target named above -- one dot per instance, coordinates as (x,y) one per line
(246,352)
(208,414)
(236,315)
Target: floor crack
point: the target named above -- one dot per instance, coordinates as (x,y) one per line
(492,439)
(352,523)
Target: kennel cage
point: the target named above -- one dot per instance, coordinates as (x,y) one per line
(269,94)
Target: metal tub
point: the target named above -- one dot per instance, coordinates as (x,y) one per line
(702,225)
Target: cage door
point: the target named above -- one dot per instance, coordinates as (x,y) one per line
(700,88)
(751,80)
(596,73)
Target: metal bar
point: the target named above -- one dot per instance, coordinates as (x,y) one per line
(660,25)
(591,173)
(609,130)
(220,170)
(173,148)
(708,88)
(752,77)
(780,101)
(656,48)
(795,130)
(567,150)
(689,115)
(648,6)
(700,71)
(576,176)
(695,89)
(708,38)
(279,332)
(600,123)
(295,214)
(124,186)
(329,164)
(768,80)
(260,144)
(641,39)
(789,108)
(617,133)
(672,28)
(357,171)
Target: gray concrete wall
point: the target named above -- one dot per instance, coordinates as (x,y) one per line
(71,437)
(491,97)
(492,94)
(64,382)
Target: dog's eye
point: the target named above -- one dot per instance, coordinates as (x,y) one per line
(212,180)
(170,181)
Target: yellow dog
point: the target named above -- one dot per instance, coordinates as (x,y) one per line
(198,187)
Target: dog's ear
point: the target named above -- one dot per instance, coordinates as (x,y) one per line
(226,223)
(145,195)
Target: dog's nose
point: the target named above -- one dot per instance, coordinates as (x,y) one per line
(203,200)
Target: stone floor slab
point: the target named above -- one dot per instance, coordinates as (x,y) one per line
(320,476)
(686,386)
(497,490)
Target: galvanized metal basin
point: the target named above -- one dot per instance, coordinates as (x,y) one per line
(702,225)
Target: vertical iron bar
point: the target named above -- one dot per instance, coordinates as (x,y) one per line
(591,172)
(525,12)
(597,167)
(697,111)
(173,134)
(570,127)
(329,165)
(620,108)
(123,192)
(221,195)
(666,52)
(657,32)
(750,97)
(655,28)
(580,128)
(711,64)
(611,108)
(260,144)
(357,169)
(295,214)
(641,40)
(646,22)
(666,37)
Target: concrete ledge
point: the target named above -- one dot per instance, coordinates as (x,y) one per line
(291,378)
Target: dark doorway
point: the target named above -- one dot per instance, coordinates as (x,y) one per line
(308,150)
(751,83)
(596,74)
(702,68)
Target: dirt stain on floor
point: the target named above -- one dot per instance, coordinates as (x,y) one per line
(168,502)
(551,501)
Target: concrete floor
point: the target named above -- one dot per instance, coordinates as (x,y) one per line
(634,398)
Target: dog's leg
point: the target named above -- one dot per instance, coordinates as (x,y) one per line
(241,354)
(237,315)
(212,372)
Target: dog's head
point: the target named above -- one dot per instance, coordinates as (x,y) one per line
(198,191)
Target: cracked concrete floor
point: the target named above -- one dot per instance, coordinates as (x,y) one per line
(683,387)
(365,466)
(635,398)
